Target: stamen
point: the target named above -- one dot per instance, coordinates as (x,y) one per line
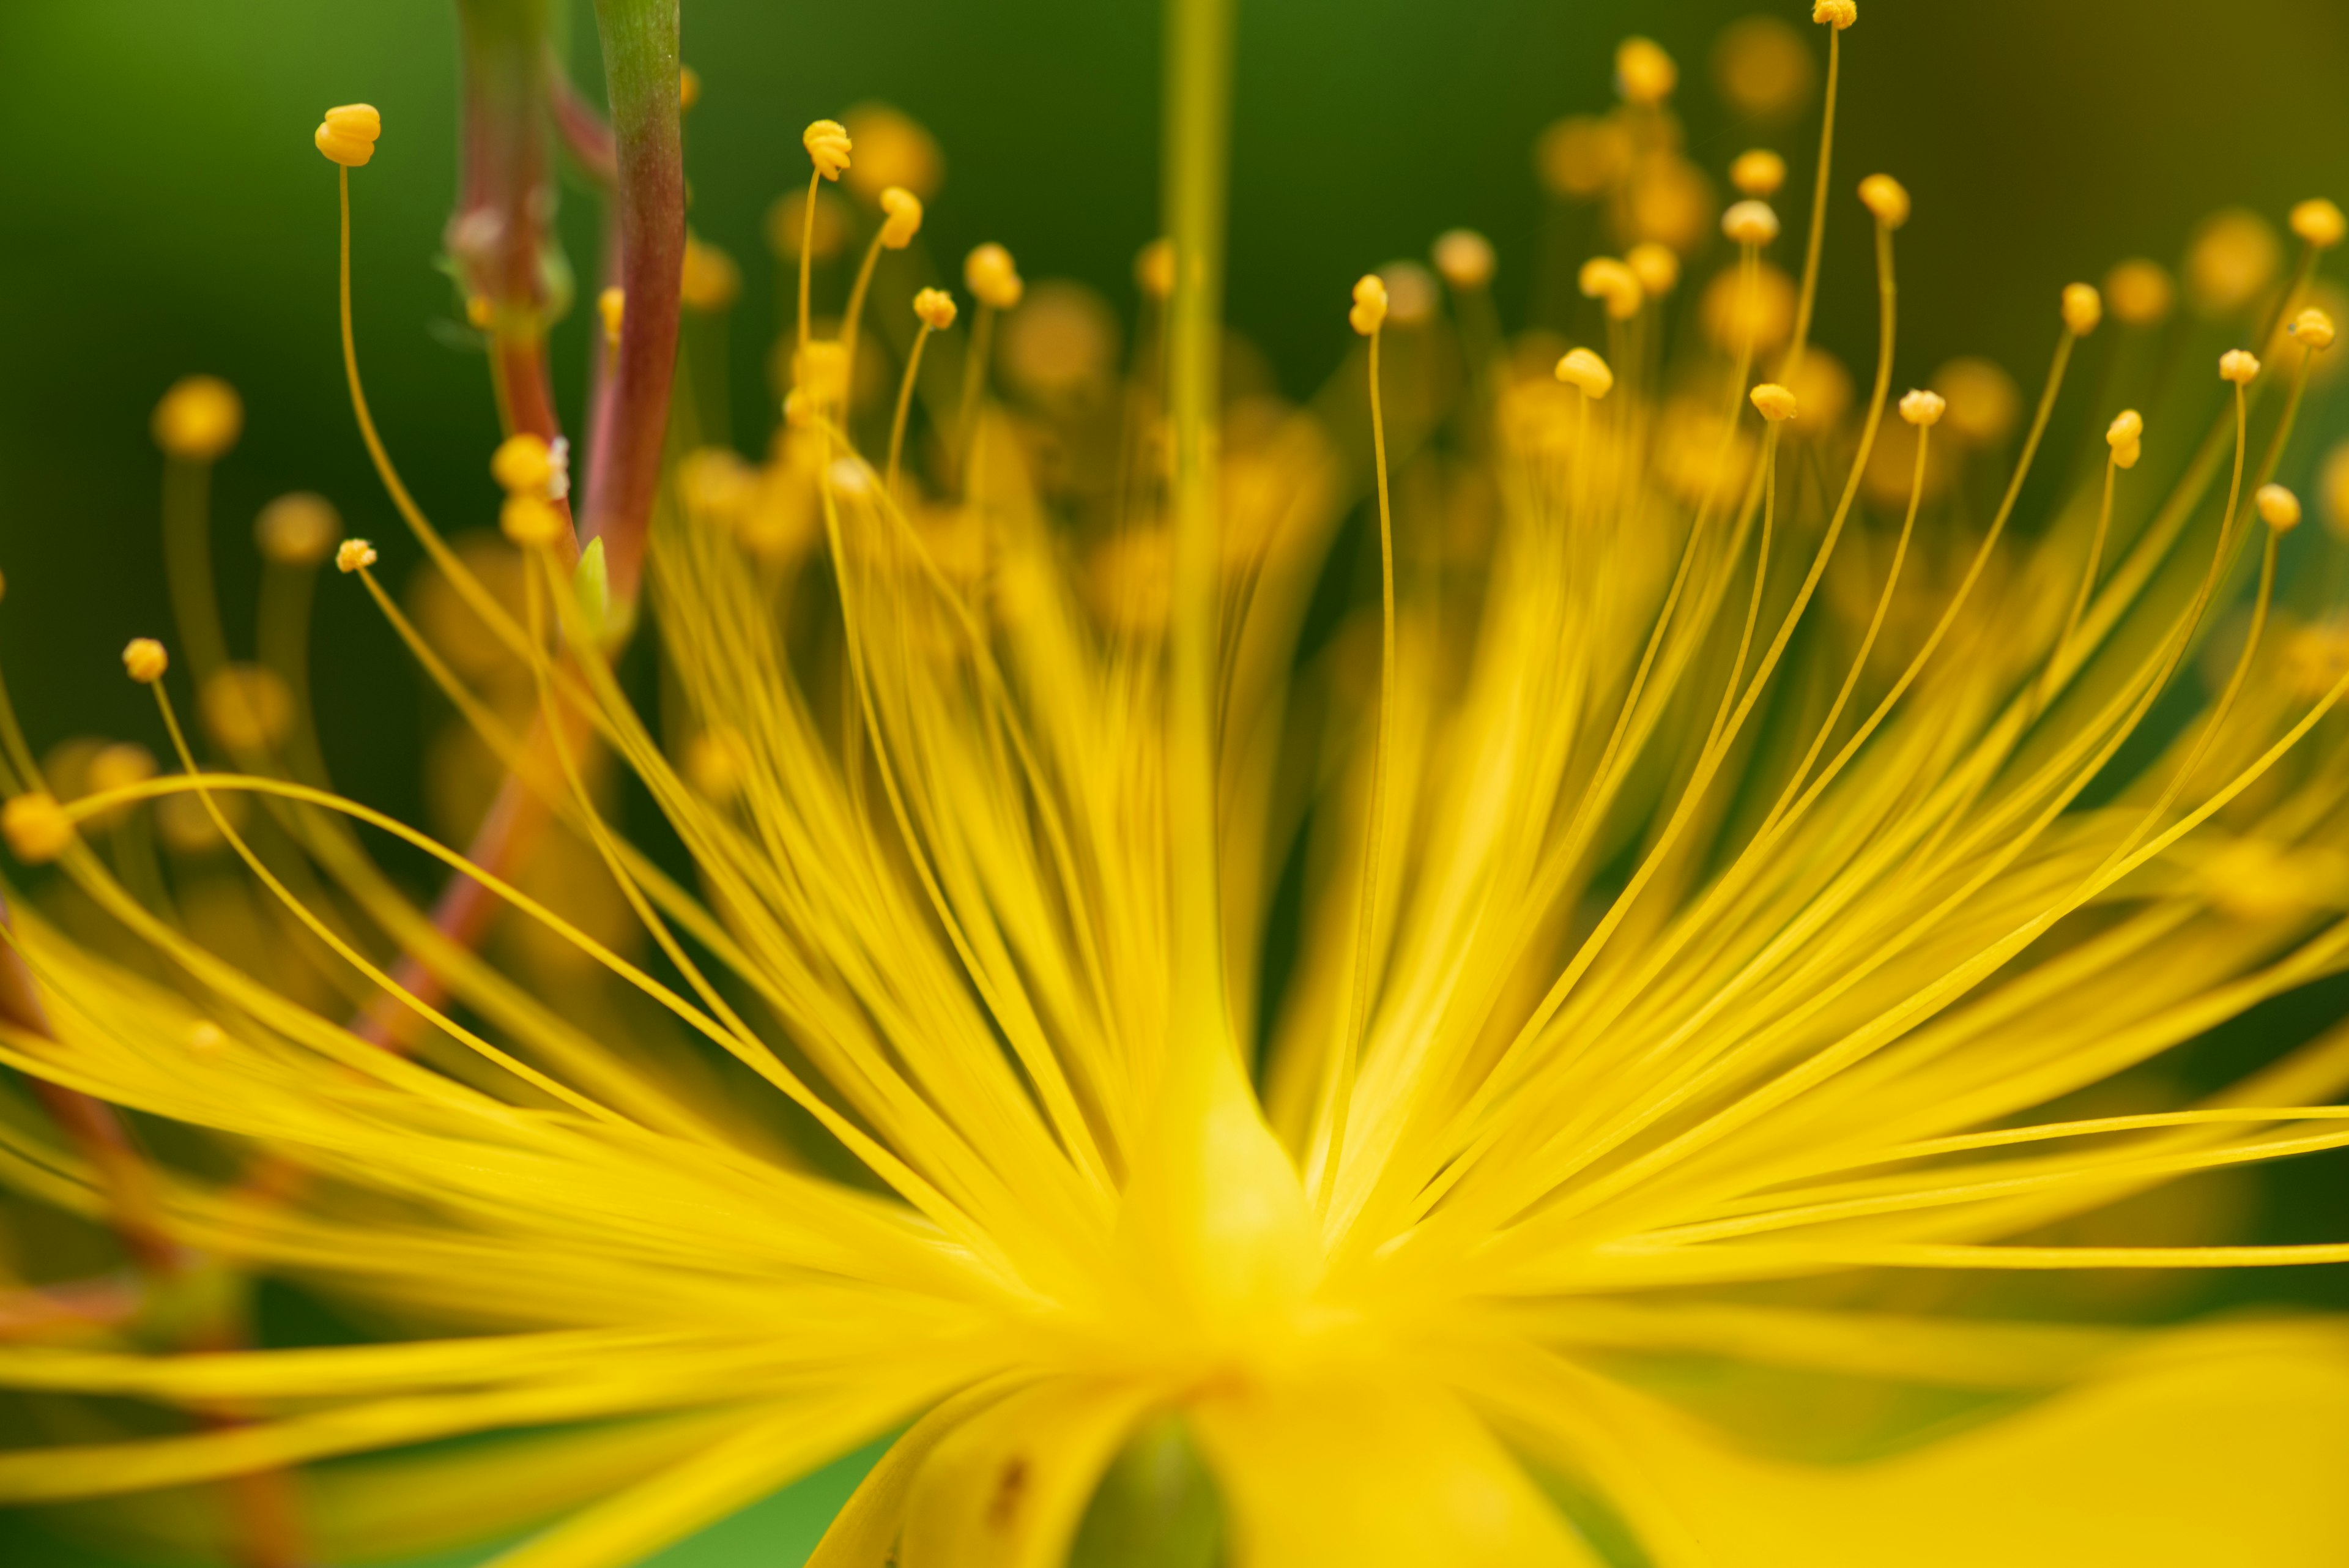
(1758,173)
(827,144)
(935,308)
(902,221)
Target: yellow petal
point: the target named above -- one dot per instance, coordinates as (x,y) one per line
(1357,1475)
(864,1532)
(1007,1488)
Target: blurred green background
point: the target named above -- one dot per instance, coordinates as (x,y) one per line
(162,210)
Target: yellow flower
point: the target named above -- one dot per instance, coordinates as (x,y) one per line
(1724,903)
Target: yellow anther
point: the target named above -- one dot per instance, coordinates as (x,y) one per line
(827,142)
(1410,292)
(2140,293)
(718,763)
(936,307)
(1586,373)
(1836,13)
(198,419)
(821,371)
(2234,257)
(1605,278)
(1750,222)
(530,521)
(1463,258)
(1776,402)
(1765,68)
(347,135)
(1369,311)
(2320,223)
(522,464)
(1579,157)
(2278,508)
(36,827)
(1758,173)
(1923,409)
(1154,269)
(354,556)
(144,660)
(688,87)
(296,530)
(612,305)
(2083,308)
(903,219)
(119,766)
(480,314)
(2312,331)
(799,409)
(1656,267)
(787,225)
(1984,402)
(2239,365)
(892,149)
(2125,436)
(1887,198)
(1644,74)
(709,281)
(991,278)
(206,1038)
(245,707)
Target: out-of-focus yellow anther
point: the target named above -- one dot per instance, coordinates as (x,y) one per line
(1923,409)
(2239,365)
(245,707)
(612,305)
(1644,74)
(36,827)
(1154,269)
(480,314)
(936,307)
(206,1038)
(821,371)
(1463,258)
(688,87)
(2083,309)
(1758,173)
(1369,311)
(892,149)
(347,135)
(1657,267)
(2333,485)
(2140,293)
(993,281)
(827,143)
(708,281)
(354,556)
(198,419)
(530,521)
(1410,293)
(1750,222)
(1984,402)
(296,530)
(119,766)
(717,762)
(1776,402)
(2278,508)
(902,218)
(2234,256)
(2125,436)
(1836,13)
(2313,330)
(1887,198)
(522,464)
(1605,278)
(144,660)
(1586,373)
(2320,223)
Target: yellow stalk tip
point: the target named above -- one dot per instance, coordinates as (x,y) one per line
(1586,373)
(1369,311)
(530,521)
(1463,259)
(827,143)
(1605,278)
(936,307)
(2320,223)
(1154,269)
(144,660)
(197,420)
(296,530)
(1836,13)
(347,135)
(903,220)
(1644,74)
(2125,436)
(688,87)
(1656,267)
(1758,173)
(987,272)
(354,556)
(522,464)
(612,305)
(36,827)
(2140,293)
(2083,308)
(1923,409)
(2239,365)
(1776,403)
(1750,222)
(2313,330)
(1887,198)
(2278,508)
